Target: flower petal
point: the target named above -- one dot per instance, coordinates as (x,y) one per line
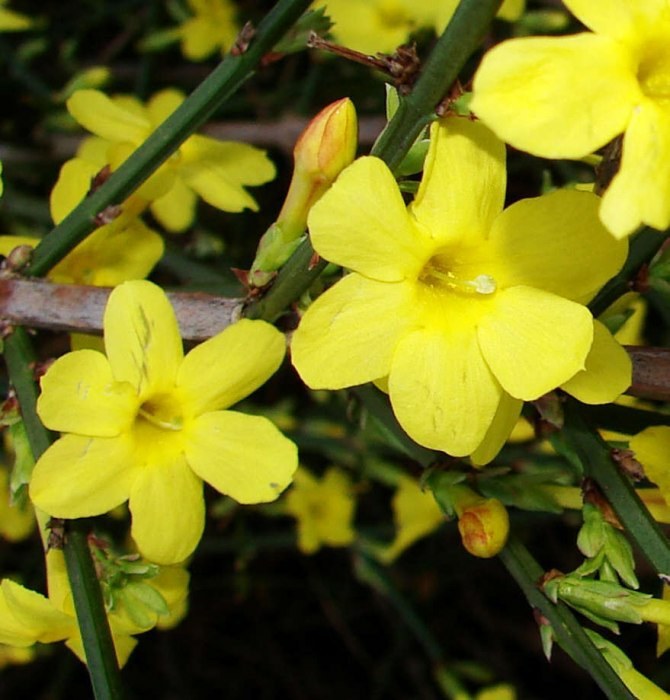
(123,646)
(218,171)
(142,338)
(228,367)
(104,117)
(506,417)
(608,370)
(79,476)
(362,223)
(534,341)
(560,97)
(34,613)
(175,210)
(79,395)
(349,334)
(463,185)
(638,192)
(162,104)
(168,511)
(652,447)
(442,391)
(617,18)
(556,243)
(244,457)
(74,182)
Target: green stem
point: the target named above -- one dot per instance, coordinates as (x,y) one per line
(595,456)
(190,115)
(20,359)
(459,40)
(91,616)
(623,419)
(293,279)
(642,249)
(567,630)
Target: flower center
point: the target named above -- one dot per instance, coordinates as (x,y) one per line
(440,274)
(654,69)
(162,411)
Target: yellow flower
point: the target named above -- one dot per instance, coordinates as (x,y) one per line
(11,21)
(564,97)
(372,26)
(121,250)
(217,171)
(324,509)
(652,450)
(415,514)
(27,617)
(467,309)
(146,424)
(212,27)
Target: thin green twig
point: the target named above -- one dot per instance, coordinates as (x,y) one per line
(191,114)
(567,630)
(91,615)
(643,247)
(595,456)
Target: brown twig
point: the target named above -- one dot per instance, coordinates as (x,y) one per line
(78,309)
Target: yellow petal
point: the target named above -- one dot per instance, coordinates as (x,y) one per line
(73,184)
(168,511)
(111,255)
(558,97)
(35,613)
(79,395)
(219,171)
(556,243)
(506,417)
(652,450)
(228,367)
(123,646)
(11,21)
(463,185)
(78,477)
(620,19)
(142,338)
(362,223)
(8,243)
(534,341)
(163,104)
(244,457)
(607,373)
(638,193)
(175,210)
(349,334)
(442,391)
(104,117)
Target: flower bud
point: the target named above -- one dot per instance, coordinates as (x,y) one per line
(484,527)
(323,150)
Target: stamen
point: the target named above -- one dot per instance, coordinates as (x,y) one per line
(174,424)
(482,284)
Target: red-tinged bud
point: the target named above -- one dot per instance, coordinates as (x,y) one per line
(484,527)
(323,150)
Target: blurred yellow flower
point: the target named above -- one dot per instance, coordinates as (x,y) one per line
(11,21)
(324,509)
(16,523)
(217,171)
(213,27)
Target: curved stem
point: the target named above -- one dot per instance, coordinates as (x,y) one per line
(190,115)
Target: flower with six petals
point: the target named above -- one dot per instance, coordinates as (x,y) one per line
(467,309)
(146,424)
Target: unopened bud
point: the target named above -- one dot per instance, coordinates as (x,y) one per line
(323,150)
(484,527)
